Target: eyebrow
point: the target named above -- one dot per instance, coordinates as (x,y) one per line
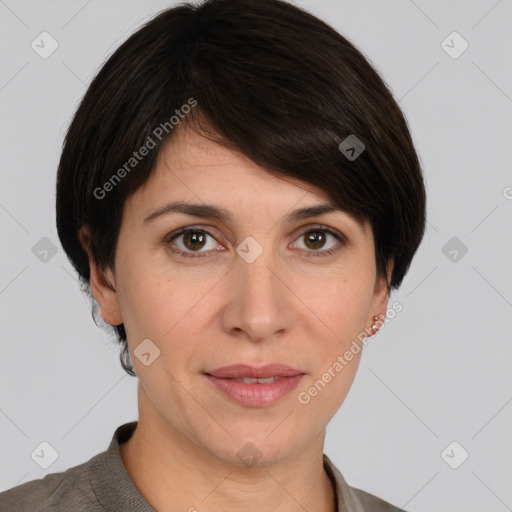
(208,211)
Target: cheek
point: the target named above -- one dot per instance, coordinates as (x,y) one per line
(326,388)
(143,307)
(150,303)
(335,316)
(338,307)
(167,307)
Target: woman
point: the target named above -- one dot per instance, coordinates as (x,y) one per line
(240,192)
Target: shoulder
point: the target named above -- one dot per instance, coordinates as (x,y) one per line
(56,492)
(352,499)
(375,504)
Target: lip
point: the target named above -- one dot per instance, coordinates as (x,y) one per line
(255,394)
(237,371)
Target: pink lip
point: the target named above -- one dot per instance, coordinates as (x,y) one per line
(255,394)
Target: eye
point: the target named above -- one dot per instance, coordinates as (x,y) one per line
(315,239)
(193,240)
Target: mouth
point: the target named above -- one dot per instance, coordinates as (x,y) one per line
(243,371)
(255,387)
(252,380)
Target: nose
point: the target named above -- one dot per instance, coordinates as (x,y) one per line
(260,302)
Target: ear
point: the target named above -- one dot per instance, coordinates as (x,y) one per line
(100,281)
(380,297)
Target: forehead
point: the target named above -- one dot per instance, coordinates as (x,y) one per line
(198,177)
(191,158)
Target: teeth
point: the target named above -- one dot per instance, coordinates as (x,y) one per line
(251,380)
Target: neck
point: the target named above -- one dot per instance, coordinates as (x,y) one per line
(173,473)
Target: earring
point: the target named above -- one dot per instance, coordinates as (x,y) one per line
(374,328)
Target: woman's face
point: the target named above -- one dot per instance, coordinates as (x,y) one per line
(210,305)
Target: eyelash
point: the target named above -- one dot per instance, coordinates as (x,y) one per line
(311,254)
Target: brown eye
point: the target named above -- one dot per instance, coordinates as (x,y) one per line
(194,240)
(188,241)
(315,239)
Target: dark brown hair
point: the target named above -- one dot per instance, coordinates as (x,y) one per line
(268,79)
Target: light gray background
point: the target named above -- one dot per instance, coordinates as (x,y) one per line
(439,372)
